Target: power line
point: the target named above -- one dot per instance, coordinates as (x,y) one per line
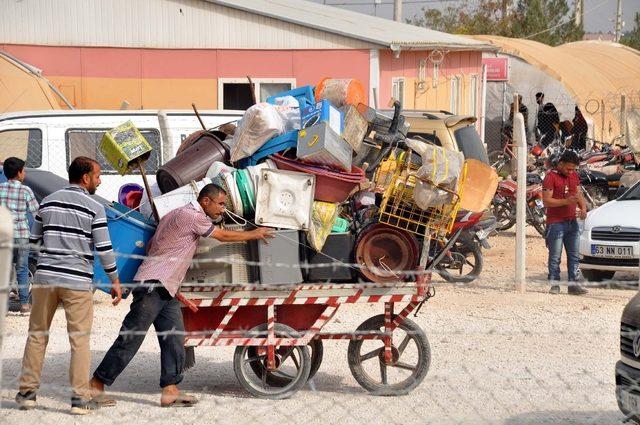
(373,3)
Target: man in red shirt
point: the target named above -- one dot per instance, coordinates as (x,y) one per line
(561,194)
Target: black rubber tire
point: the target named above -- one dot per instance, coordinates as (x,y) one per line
(599,194)
(464,248)
(270,391)
(503,212)
(538,221)
(404,387)
(316,353)
(498,161)
(591,275)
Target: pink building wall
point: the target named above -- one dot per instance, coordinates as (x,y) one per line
(101,78)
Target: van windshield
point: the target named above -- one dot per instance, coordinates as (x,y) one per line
(470,144)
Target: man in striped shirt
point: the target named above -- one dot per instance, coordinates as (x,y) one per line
(170,254)
(70,225)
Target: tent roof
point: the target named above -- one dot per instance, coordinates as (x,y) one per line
(596,73)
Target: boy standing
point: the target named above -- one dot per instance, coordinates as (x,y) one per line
(20,200)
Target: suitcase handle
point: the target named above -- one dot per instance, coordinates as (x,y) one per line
(313,140)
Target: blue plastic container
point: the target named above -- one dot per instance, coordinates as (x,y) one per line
(275,145)
(304,96)
(130,235)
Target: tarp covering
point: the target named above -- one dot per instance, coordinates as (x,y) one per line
(595,73)
(22,89)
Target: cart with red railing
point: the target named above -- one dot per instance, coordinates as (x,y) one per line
(278,330)
(278,333)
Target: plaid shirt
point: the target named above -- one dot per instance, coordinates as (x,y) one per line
(19,199)
(173,245)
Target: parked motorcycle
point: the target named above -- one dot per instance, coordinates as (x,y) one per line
(464,262)
(504,204)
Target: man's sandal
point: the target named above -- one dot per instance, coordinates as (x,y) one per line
(182,400)
(104,400)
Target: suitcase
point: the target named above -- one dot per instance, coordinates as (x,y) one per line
(320,144)
(283,249)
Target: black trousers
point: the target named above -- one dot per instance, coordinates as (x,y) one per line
(157,307)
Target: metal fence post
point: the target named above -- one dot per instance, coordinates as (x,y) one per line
(520,139)
(6,253)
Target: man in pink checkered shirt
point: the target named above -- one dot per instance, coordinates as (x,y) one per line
(169,256)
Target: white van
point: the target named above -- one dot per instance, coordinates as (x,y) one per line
(49,140)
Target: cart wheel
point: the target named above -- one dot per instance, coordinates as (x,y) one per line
(293,365)
(411,357)
(279,379)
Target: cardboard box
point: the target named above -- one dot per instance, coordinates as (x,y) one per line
(323,111)
(320,144)
(124,146)
(355,127)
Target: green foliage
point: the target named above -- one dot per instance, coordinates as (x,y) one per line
(632,38)
(547,21)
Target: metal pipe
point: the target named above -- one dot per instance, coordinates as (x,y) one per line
(520,139)
(483,106)
(167,137)
(397,10)
(6,252)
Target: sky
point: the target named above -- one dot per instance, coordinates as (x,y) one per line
(597,12)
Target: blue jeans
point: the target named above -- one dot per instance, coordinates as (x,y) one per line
(565,233)
(21,262)
(149,307)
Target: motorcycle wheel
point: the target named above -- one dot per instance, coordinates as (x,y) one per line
(538,221)
(598,194)
(504,213)
(463,264)
(501,162)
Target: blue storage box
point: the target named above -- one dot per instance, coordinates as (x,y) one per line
(130,235)
(323,111)
(304,96)
(275,145)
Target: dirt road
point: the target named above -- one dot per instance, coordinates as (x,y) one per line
(497,357)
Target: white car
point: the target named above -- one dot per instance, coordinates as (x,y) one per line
(610,240)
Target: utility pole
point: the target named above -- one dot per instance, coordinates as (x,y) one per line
(579,6)
(504,8)
(397,10)
(619,21)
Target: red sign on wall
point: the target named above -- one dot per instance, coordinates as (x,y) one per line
(497,68)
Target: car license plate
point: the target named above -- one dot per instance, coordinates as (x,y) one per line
(630,401)
(612,251)
(539,203)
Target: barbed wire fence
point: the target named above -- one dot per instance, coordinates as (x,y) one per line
(598,118)
(488,366)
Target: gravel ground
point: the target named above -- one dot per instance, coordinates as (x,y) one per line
(498,356)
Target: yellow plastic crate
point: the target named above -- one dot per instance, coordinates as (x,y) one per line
(398,208)
(124,146)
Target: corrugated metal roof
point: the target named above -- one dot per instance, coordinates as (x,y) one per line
(157,24)
(213,24)
(354,25)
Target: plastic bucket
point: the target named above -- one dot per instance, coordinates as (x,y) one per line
(192,163)
(330,186)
